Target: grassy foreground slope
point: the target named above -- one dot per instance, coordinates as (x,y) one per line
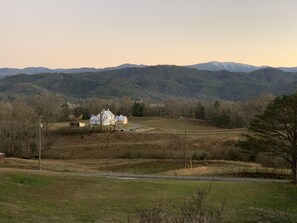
(39,197)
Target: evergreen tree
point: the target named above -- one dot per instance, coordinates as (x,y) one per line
(200,111)
(275,130)
(138,109)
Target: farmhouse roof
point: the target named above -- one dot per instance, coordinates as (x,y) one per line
(94,117)
(106,113)
(120,118)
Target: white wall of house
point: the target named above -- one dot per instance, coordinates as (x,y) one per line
(121,120)
(107,117)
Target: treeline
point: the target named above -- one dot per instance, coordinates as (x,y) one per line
(220,113)
(19,125)
(55,108)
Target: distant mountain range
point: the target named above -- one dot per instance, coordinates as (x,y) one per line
(235,67)
(4,72)
(210,66)
(155,82)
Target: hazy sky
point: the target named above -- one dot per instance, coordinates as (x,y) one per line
(102,33)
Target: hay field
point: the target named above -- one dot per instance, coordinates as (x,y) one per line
(153,138)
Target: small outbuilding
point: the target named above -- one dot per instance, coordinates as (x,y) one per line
(94,120)
(121,120)
(2,157)
(77,124)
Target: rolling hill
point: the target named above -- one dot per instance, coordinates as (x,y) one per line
(157,82)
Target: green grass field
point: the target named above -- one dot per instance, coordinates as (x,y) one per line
(44,197)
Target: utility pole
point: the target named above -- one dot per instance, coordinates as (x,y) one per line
(185,148)
(40,143)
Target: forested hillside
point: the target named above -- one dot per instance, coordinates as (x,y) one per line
(156,82)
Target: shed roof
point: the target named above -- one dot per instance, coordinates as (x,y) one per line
(120,118)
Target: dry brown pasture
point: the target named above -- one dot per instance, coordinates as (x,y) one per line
(154,138)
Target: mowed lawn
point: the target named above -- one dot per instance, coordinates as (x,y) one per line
(42,197)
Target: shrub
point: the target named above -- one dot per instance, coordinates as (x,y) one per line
(196,210)
(199,156)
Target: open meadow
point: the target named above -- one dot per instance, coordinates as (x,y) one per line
(28,196)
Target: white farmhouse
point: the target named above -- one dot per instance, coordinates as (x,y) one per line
(107,117)
(121,120)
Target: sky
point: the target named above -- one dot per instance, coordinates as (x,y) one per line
(105,33)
